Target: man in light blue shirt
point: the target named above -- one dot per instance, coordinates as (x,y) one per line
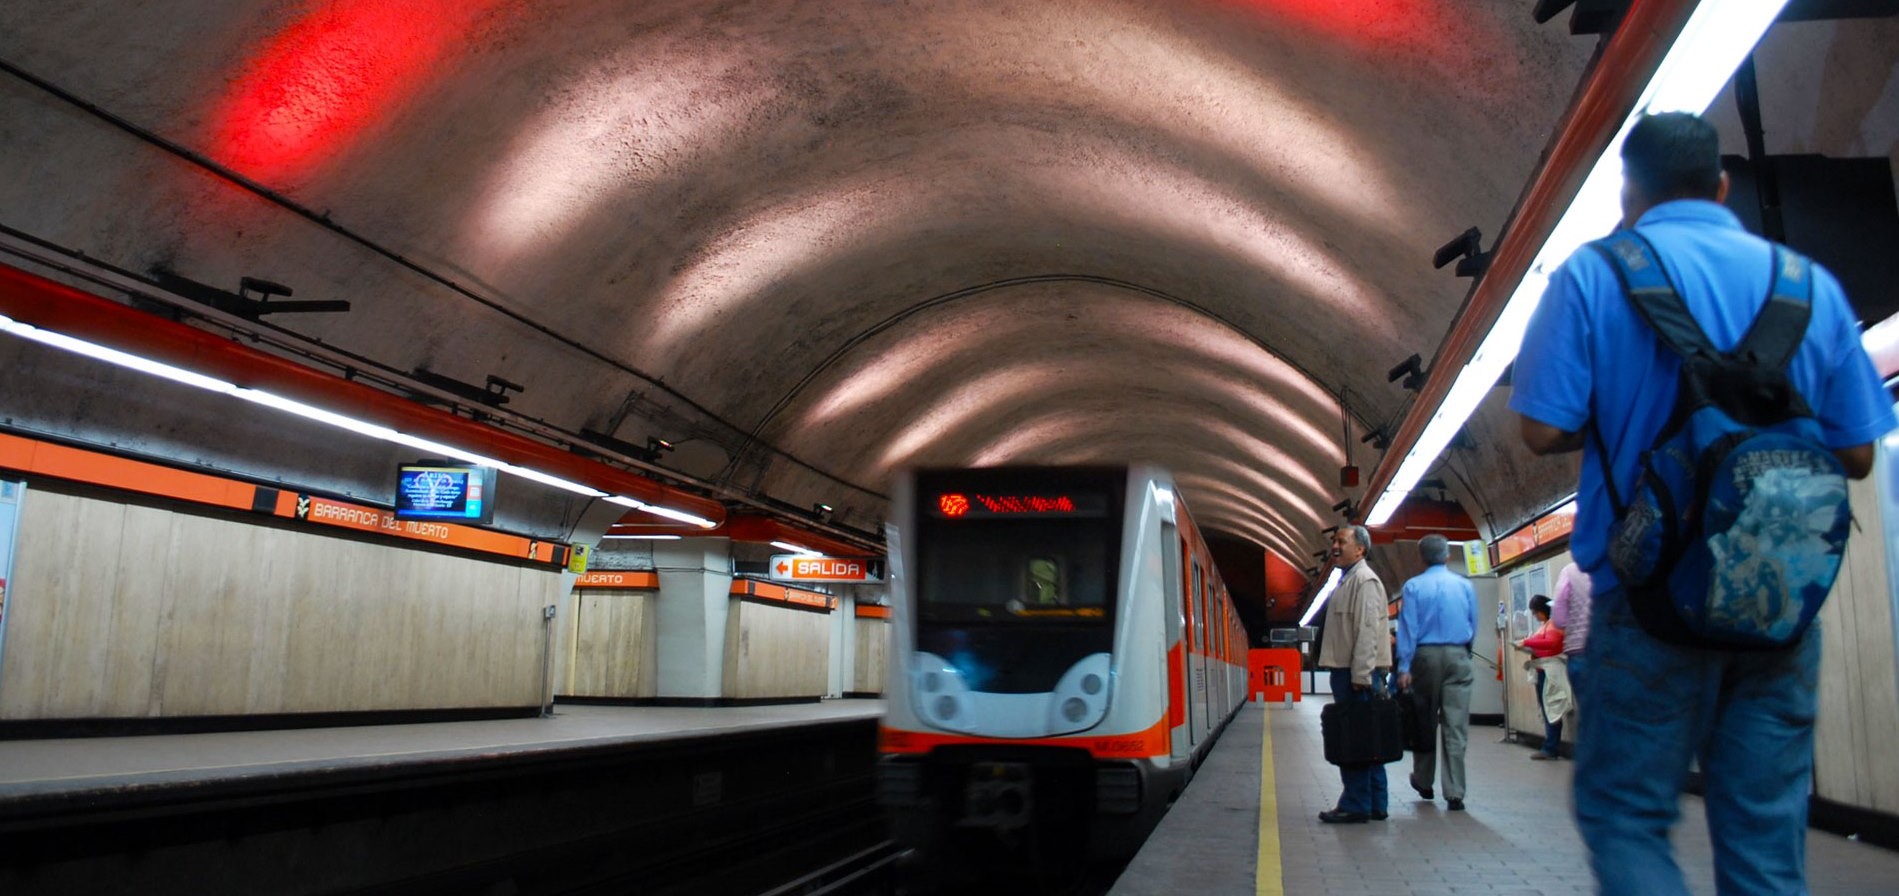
(1436,625)
(1589,362)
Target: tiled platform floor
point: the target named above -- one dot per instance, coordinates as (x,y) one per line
(1516,837)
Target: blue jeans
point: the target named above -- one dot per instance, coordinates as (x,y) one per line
(1552,731)
(1578,667)
(1364,784)
(1748,718)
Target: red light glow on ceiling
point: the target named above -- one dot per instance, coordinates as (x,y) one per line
(315,87)
(1418,24)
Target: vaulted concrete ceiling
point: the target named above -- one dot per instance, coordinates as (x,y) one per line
(814,242)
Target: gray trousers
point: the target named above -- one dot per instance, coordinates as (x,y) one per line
(1440,686)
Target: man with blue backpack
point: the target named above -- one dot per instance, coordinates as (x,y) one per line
(1719,381)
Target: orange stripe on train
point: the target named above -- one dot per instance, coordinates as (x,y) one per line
(1133,745)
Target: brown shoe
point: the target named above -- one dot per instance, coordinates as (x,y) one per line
(1541,756)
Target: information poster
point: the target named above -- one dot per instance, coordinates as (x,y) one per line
(10,493)
(1519,606)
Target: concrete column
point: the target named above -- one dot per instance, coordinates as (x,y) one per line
(843,641)
(695,582)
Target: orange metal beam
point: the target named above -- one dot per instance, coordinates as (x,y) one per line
(35,300)
(1609,91)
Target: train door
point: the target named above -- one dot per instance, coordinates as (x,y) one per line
(1172,602)
(1203,649)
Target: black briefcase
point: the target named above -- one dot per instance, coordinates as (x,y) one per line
(1412,720)
(1362,732)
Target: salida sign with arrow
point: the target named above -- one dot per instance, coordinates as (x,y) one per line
(817,568)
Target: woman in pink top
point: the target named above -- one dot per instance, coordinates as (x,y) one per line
(1570,612)
(1546,642)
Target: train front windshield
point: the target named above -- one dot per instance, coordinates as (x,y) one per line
(1016,579)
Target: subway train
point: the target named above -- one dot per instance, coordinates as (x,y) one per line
(1063,654)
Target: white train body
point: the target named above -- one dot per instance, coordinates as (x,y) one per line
(1063,654)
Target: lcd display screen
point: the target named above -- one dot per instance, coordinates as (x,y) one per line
(988,505)
(445,492)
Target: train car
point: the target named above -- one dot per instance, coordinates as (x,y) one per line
(1063,655)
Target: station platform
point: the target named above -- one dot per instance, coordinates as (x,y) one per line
(1248,824)
(93,766)
(606,799)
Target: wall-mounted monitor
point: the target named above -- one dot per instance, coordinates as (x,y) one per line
(444,491)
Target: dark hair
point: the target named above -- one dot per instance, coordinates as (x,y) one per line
(1434,549)
(1540,604)
(1673,155)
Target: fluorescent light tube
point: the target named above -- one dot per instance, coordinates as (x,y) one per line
(554,481)
(1718,35)
(114,356)
(331,418)
(796,549)
(1331,582)
(679,515)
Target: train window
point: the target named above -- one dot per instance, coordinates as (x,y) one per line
(1043,586)
(1198,610)
(1006,570)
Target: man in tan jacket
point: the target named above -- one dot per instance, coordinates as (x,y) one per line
(1358,652)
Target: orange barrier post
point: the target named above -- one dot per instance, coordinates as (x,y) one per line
(1272,673)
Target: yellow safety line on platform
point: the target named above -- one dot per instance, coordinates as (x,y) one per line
(1268,877)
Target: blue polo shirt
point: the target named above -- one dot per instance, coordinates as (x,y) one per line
(1440,607)
(1587,355)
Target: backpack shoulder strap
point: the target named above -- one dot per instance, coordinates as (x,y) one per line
(1654,298)
(1782,324)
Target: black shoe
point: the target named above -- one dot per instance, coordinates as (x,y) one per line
(1454,805)
(1340,816)
(1422,791)
(1380,816)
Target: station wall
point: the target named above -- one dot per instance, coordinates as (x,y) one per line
(776,651)
(1859,684)
(128,611)
(611,634)
(1859,672)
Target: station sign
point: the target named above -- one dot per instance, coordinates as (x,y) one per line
(817,568)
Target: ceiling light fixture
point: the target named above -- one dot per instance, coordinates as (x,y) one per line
(796,548)
(1717,36)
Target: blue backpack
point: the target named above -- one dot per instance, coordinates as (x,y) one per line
(1736,528)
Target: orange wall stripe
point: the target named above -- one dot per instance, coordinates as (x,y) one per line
(344,515)
(96,468)
(872,611)
(782,594)
(618,578)
(80,465)
(1133,745)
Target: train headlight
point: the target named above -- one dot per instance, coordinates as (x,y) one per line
(938,691)
(1080,698)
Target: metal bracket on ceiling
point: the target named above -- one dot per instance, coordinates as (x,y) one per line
(240,303)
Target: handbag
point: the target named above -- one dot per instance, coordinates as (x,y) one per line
(1362,732)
